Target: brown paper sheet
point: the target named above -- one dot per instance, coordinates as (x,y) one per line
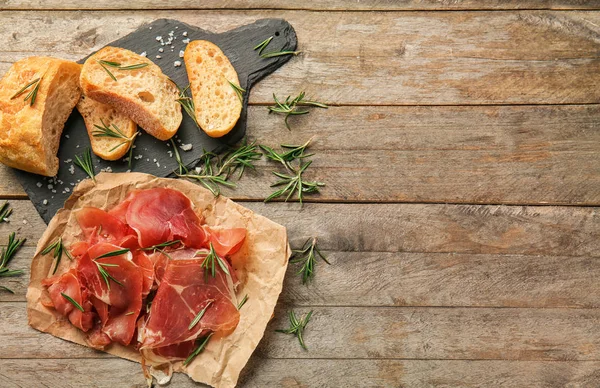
(266,252)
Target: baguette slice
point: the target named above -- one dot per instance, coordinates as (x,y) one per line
(145,94)
(96,113)
(30,135)
(217,105)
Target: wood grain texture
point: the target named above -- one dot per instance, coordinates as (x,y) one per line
(308,373)
(500,154)
(338,5)
(385,332)
(526,57)
(465,229)
(423,279)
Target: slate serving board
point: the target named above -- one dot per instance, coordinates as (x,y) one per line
(49,194)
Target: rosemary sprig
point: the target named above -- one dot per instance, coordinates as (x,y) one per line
(31,96)
(307,255)
(182,167)
(5,212)
(238,90)
(199,315)
(159,247)
(114,132)
(73,302)
(85,163)
(209,262)
(293,152)
(243,302)
(106,64)
(263,45)
(294,183)
(186,102)
(103,272)
(58,249)
(297,327)
(198,350)
(7,254)
(279,54)
(214,171)
(290,106)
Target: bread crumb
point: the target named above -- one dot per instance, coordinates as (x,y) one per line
(186,147)
(177,63)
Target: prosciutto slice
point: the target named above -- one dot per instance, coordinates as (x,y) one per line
(68,284)
(183,292)
(161,214)
(97,225)
(123,296)
(226,241)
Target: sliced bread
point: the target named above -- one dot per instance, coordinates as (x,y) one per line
(37,95)
(111,132)
(134,86)
(213,82)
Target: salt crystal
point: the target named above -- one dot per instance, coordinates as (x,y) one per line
(184,33)
(186,147)
(25,222)
(67,189)
(144,54)
(177,63)
(50,187)
(158,57)
(181,53)
(72,169)
(170,153)
(158,38)
(67,136)
(39,184)
(186,41)
(45,201)
(160,50)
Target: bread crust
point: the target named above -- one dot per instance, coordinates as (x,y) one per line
(30,135)
(145,95)
(217,106)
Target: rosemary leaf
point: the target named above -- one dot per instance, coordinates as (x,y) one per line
(279,54)
(112,254)
(73,302)
(85,163)
(162,245)
(297,327)
(198,350)
(130,313)
(6,256)
(31,96)
(6,289)
(182,167)
(209,262)
(238,90)
(5,212)
(58,249)
(118,66)
(199,315)
(263,45)
(186,102)
(243,302)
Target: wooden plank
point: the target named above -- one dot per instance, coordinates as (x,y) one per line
(423,279)
(381,332)
(315,373)
(320,5)
(501,154)
(476,229)
(528,57)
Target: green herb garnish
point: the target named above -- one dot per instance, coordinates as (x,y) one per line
(198,350)
(290,107)
(31,96)
(114,132)
(158,247)
(297,327)
(307,255)
(101,266)
(58,249)
(73,302)
(209,262)
(6,256)
(243,302)
(279,54)
(85,163)
(5,212)
(238,90)
(263,45)
(199,315)
(106,64)
(186,102)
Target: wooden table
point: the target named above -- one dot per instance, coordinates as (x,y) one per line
(460,213)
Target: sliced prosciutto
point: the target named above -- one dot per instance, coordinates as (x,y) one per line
(160,215)
(185,290)
(226,241)
(97,225)
(69,284)
(122,291)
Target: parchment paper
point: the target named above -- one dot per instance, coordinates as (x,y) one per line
(265,250)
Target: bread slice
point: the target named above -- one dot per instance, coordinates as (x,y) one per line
(217,105)
(96,113)
(144,94)
(30,133)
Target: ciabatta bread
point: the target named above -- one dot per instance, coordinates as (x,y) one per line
(217,105)
(30,133)
(144,94)
(98,114)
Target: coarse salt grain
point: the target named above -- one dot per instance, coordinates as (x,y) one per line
(184,33)
(186,41)
(177,63)
(67,136)
(159,38)
(181,53)
(39,184)
(158,57)
(72,169)
(160,50)
(25,222)
(186,147)
(45,201)
(144,54)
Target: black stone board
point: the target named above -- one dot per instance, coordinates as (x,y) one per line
(237,44)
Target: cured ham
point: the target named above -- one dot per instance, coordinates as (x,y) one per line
(139,277)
